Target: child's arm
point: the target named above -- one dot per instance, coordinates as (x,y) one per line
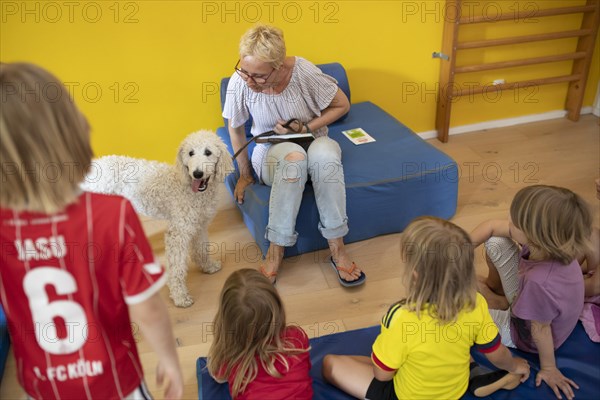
(549,373)
(592,284)
(503,359)
(489,228)
(590,265)
(152,317)
(383,375)
(592,257)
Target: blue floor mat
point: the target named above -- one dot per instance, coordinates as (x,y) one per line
(578,359)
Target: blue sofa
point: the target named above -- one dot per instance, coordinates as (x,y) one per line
(389,182)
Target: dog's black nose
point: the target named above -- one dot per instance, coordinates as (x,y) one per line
(198,174)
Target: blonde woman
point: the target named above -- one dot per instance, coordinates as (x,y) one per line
(254,350)
(272,88)
(75,266)
(423,350)
(533,268)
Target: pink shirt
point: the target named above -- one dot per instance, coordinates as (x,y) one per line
(548,292)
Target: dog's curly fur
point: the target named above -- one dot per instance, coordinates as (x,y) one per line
(184,194)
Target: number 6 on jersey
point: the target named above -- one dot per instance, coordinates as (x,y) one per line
(45,312)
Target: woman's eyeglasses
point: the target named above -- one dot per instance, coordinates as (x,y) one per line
(257,79)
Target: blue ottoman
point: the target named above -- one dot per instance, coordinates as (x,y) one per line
(4,342)
(388,182)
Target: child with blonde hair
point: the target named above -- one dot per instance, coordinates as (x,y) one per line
(75,266)
(541,281)
(254,350)
(423,350)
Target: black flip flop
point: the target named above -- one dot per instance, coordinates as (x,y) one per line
(357,282)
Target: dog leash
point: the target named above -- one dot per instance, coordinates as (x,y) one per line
(287,125)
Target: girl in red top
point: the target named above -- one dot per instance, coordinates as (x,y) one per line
(254,350)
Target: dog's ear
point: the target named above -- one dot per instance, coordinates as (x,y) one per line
(225,164)
(181,167)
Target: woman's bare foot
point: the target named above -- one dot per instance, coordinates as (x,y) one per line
(342,259)
(272,262)
(495,301)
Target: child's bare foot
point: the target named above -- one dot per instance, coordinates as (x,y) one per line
(495,301)
(484,385)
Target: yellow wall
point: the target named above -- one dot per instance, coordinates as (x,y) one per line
(146,73)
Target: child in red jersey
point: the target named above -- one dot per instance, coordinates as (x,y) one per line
(254,350)
(75,266)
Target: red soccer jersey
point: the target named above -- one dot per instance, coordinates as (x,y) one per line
(65,284)
(295,383)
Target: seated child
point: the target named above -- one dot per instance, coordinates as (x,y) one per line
(253,349)
(423,350)
(541,281)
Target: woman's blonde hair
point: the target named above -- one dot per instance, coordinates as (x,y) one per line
(265,43)
(248,326)
(440,272)
(45,150)
(555,221)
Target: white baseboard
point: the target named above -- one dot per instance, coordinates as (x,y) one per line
(500,123)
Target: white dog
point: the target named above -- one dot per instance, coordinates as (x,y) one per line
(184,194)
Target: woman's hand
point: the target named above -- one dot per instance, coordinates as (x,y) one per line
(295,127)
(240,187)
(557,382)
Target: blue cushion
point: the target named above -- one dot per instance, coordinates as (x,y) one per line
(577,358)
(388,183)
(332,69)
(4,342)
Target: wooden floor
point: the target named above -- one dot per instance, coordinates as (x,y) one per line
(494,164)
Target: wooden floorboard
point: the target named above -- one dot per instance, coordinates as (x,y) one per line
(494,165)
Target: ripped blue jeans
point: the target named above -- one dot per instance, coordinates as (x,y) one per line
(286,169)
